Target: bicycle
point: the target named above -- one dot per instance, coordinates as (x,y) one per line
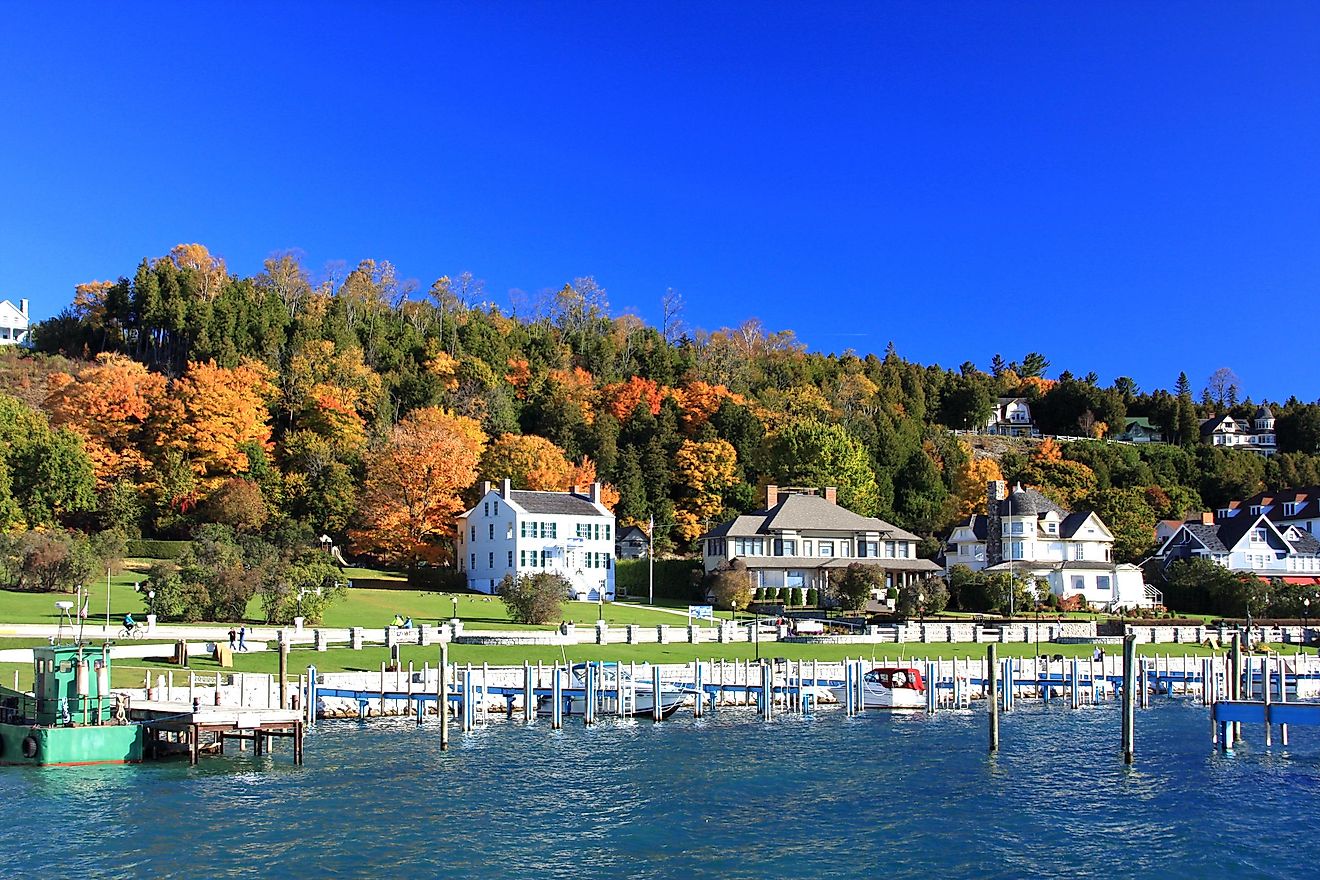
(137,632)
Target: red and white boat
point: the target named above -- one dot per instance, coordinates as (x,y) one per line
(889,687)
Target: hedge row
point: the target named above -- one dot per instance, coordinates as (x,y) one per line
(156,549)
(678,579)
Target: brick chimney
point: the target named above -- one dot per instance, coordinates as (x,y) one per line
(771,496)
(506,487)
(1207,518)
(23,307)
(995,492)
(485,488)
(832,494)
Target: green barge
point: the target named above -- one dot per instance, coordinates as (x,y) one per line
(71,718)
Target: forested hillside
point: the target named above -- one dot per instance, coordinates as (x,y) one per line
(356,406)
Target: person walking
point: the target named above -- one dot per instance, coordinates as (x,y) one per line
(232,636)
(242,631)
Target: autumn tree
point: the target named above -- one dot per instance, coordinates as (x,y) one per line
(110,404)
(970,482)
(703,470)
(406,511)
(530,462)
(212,412)
(330,390)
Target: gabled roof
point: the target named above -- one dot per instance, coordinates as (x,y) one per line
(1072,522)
(554,503)
(7,306)
(807,513)
(976,522)
(1028,502)
(628,533)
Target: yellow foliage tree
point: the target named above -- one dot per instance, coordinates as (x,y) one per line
(969,485)
(407,507)
(529,461)
(331,391)
(705,468)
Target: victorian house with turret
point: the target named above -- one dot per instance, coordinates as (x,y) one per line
(1026,534)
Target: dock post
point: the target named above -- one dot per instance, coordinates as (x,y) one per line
(1283,697)
(529,700)
(589,695)
(1076,691)
(992,695)
(657,709)
(767,691)
(382,687)
(1129,696)
(284,673)
(442,695)
(848,691)
(556,699)
(1233,680)
(930,687)
(700,694)
(860,678)
(1265,698)
(312,695)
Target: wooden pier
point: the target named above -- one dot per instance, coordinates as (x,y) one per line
(174,727)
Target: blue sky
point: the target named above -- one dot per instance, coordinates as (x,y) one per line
(1129,188)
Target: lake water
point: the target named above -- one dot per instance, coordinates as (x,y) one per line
(727,796)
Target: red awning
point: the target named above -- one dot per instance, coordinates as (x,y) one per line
(1301,581)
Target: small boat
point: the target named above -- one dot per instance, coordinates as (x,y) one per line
(615,684)
(889,687)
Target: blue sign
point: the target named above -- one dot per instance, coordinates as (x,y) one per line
(701,612)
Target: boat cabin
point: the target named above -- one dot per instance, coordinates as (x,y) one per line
(896,678)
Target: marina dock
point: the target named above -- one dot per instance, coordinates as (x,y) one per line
(198,728)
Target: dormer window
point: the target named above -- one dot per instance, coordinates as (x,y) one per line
(1258,536)
(1224,512)
(1290,508)
(1256,509)
(1051,528)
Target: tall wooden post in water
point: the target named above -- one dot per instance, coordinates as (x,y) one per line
(442,694)
(1130,685)
(284,673)
(992,694)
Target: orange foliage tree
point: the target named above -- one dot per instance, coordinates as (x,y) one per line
(700,400)
(212,412)
(110,404)
(407,507)
(622,398)
(969,483)
(331,391)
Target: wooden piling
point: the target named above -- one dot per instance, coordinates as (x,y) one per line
(284,673)
(992,694)
(657,709)
(442,695)
(1130,684)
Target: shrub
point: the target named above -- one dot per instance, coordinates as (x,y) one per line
(856,585)
(759,594)
(799,597)
(731,588)
(534,598)
(55,561)
(813,597)
(156,549)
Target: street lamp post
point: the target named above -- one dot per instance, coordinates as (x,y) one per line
(1306,617)
(921,607)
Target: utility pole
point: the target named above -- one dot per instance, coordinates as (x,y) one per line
(650,560)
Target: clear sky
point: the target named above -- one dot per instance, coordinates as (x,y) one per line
(1128,188)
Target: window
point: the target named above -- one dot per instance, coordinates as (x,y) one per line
(904,548)
(510,559)
(1255,510)
(826,548)
(1258,536)
(1015,550)
(806,548)
(485,509)
(1016,527)
(474,560)
(497,508)
(608,527)
(794,579)
(607,561)
(954,549)
(522,529)
(492,531)
(545,558)
(889,549)
(1102,583)
(1052,528)
(492,559)
(1078,583)
(553,527)
(474,533)
(1079,551)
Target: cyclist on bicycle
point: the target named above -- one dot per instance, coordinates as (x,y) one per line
(129,622)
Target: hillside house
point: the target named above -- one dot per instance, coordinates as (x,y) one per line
(1012,417)
(13,322)
(1256,434)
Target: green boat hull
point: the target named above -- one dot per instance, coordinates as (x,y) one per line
(71,746)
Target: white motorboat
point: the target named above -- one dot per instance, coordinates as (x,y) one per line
(889,687)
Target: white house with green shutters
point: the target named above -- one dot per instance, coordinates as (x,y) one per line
(517,532)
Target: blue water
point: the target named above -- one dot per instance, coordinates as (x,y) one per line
(727,796)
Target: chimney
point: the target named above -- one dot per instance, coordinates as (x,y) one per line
(995,492)
(595,493)
(771,496)
(506,487)
(23,307)
(832,494)
(573,489)
(1207,518)
(485,488)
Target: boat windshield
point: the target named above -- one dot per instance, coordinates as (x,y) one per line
(895,678)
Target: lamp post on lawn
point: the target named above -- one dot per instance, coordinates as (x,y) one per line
(1306,617)
(921,607)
